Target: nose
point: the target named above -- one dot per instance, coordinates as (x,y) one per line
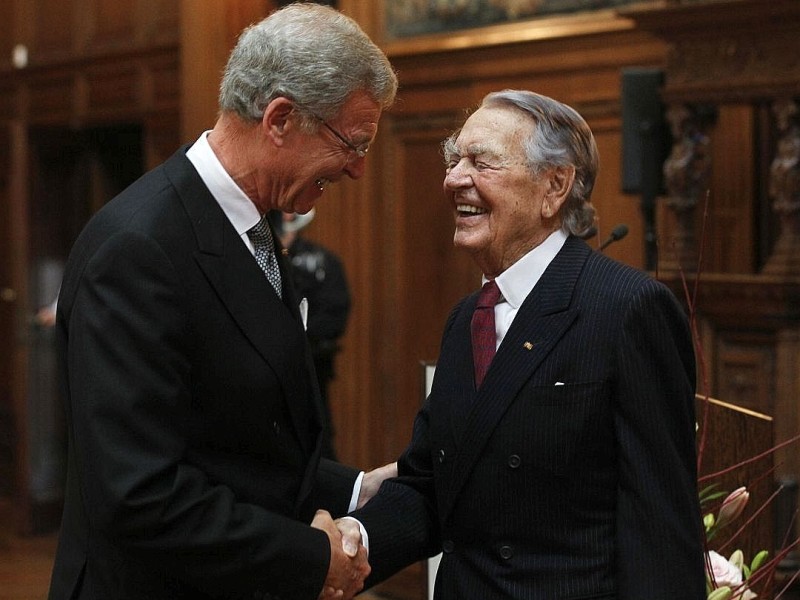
(457,176)
(355,168)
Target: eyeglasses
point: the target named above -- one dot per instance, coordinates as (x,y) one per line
(361,151)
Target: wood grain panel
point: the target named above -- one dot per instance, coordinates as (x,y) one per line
(163,77)
(54,30)
(428,275)
(50,99)
(110,26)
(745,369)
(8,437)
(160,22)
(733,435)
(113,92)
(8,34)
(731,224)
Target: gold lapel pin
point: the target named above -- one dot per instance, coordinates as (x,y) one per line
(527,346)
(285,251)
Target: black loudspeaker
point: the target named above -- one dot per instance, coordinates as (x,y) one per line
(646,139)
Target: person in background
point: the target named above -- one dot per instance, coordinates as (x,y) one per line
(193,418)
(554,458)
(318,276)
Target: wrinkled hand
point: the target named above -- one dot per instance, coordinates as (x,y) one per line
(351,535)
(373,480)
(347,570)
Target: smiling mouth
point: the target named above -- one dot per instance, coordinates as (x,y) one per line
(467,210)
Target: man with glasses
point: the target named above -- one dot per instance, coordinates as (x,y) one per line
(194,418)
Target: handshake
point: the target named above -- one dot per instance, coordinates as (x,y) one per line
(349,567)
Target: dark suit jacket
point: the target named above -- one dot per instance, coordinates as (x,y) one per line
(193,413)
(541,491)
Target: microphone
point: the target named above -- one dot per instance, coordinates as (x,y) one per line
(619,232)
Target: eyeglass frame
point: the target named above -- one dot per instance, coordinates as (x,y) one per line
(360,151)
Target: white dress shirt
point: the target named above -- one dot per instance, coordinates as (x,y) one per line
(517,281)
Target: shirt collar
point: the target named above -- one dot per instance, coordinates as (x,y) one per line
(239,209)
(518,280)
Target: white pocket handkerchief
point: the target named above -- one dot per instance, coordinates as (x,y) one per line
(304,312)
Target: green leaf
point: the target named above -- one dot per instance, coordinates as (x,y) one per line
(708,494)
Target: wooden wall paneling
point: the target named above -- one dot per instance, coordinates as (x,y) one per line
(745,368)
(160,22)
(399,311)
(613,207)
(369,15)
(163,75)
(731,227)
(49,97)
(8,34)
(55,30)
(749,327)
(17,354)
(367,235)
(204,47)
(162,109)
(548,55)
(162,136)
(342,217)
(109,26)
(726,220)
(336,218)
(208,32)
(786,382)
(427,274)
(113,92)
(8,296)
(734,435)
(435,99)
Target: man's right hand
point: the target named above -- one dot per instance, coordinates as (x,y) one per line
(347,572)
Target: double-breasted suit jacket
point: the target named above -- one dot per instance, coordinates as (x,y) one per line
(570,474)
(194,421)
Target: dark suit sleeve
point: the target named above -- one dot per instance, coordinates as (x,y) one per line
(401,520)
(130,380)
(334,487)
(659,542)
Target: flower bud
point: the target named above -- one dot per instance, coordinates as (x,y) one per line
(758,560)
(732,506)
(722,593)
(737,559)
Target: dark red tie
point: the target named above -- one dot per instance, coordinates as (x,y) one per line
(484,335)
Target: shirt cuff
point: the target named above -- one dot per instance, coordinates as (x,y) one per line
(364,536)
(356,492)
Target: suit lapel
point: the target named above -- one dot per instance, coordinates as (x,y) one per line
(542,320)
(263,318)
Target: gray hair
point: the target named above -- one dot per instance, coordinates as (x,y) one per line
(309,53)
(561,138)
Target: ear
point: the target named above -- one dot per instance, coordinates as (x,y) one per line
(559,185)
(276,122)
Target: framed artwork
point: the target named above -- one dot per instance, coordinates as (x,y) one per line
(408,18)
